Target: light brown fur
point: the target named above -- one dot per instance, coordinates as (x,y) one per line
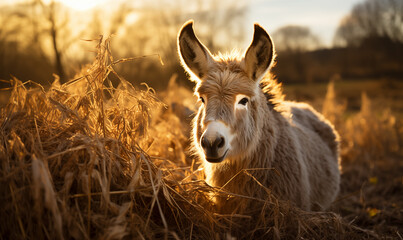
(288,148)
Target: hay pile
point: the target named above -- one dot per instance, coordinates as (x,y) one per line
(88,160)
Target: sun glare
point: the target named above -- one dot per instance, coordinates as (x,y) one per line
(81,5)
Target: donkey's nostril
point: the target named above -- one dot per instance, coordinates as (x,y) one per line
(204,142)
(220,142)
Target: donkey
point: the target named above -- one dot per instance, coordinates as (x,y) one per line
(244,124)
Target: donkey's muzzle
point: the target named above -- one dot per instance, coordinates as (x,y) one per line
(212,148)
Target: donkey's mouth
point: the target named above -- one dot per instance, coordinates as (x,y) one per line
(217,160)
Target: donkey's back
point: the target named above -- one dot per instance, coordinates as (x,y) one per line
(318,143)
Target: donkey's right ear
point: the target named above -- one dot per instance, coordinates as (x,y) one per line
(194,56)
(260,54)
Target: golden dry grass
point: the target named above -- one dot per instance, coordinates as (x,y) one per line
(88,160)
(372,166)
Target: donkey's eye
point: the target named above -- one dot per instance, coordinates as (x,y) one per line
(243,101)
(202,99)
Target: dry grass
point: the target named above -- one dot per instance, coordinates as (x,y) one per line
(372,166)
(87,160)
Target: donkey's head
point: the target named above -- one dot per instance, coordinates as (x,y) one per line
(229,121)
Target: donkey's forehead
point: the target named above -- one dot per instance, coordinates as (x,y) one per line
(226,81)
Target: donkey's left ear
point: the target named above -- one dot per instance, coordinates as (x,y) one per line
(194,56)
(260,54)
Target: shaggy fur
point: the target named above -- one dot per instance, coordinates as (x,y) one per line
(287,148)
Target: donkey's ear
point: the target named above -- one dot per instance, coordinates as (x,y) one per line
(194,56)
(259,55)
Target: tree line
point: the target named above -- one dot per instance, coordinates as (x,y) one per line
(367,44)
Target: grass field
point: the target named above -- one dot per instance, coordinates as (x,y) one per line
(86,160)
(384,93)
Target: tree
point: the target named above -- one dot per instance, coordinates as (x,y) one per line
(371,19)
(56,24)
(44,20)
(292,42)
(295,39)
(21,52)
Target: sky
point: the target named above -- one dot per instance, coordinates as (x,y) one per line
(321,16)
